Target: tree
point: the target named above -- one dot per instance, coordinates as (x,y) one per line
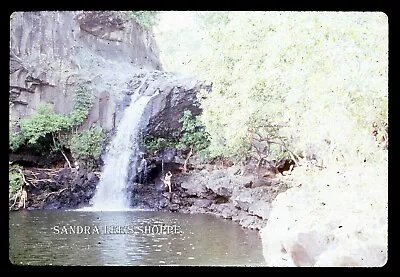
(319,78)
(193,139)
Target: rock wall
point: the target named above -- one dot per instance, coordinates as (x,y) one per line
(224,192)
(176,94)
(51,53)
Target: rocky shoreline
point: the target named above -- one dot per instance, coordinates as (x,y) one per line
(63,188)
(222,192)
(243,199)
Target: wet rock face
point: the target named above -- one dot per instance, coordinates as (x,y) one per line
(52,53)
(104,25)
(117,37)
(175,95)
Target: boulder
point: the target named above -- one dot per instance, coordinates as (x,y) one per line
(203,203)
(173,207)
(255,201)
(336,218)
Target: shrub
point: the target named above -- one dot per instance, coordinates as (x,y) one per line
(156,144)
(15,179)
(16,139)
(46,124)
(83,104)
(88,145)
(193,134)
(321,77)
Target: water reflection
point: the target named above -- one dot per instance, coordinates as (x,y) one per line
(115,249)
(130,238)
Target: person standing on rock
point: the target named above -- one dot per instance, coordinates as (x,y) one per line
(167,180)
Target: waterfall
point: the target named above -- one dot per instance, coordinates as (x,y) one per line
(162,168)
(112,192)
(142,170)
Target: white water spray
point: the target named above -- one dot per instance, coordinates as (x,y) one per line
(112,190)
(142,170)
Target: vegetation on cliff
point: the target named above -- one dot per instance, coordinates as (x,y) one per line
(47,132)
(145,18)
(306,85)
(193,134)
(192,138)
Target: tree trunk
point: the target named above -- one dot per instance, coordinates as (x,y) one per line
(187,159)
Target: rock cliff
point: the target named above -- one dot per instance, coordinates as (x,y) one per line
(51,53)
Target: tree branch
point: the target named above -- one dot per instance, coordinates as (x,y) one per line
(54,192)
(268,140)
(187,159)
(18,194)
(292,155)
(62,152)
(23,178)
(69,164)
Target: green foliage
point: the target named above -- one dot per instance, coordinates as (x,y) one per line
(144,18)
(154,145)
(15,138)
(322,78)
(193,134)
(212,19)
(83,104)
(44,122)
(15,182)
(47,132)
(15,179)
(88,145)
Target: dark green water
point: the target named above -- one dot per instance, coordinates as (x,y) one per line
(129,238)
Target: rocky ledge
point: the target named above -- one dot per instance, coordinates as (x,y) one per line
(58,188)
(222,192)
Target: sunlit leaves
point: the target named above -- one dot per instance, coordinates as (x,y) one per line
(88,144)
(15,179)
(45,121)
(323,76)
(193,135)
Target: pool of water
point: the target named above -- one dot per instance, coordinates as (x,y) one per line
(55,237)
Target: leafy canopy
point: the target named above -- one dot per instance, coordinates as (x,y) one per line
(320,78)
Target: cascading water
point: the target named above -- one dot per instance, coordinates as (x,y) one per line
(112,191)
(142,170)
(162,168)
